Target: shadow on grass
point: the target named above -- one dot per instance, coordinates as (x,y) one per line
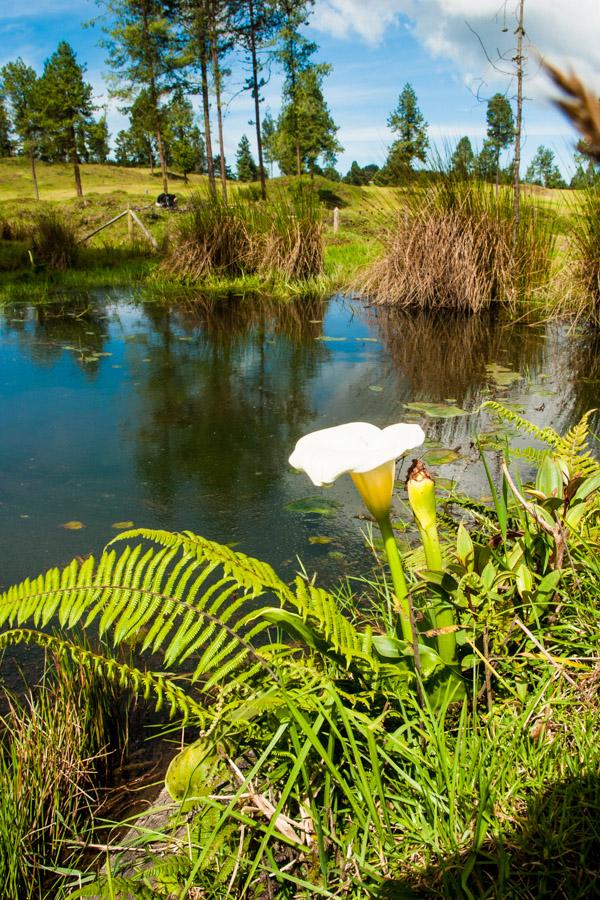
(554,852)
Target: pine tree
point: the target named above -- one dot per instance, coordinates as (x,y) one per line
(66,105)
(500,128)
(5,141)
(185,146)
(412,142)
(246,167)
(306,126)
(254,23)
(462,164)
(543,170)
(143,57)
(269,131)
(21,90)
(485,163)
(97,139)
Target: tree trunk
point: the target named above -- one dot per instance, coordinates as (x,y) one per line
(155,109)
(36,191)
(75,161)
(206,108)
(518,129)
(217,80)
(161,154)
(261,167)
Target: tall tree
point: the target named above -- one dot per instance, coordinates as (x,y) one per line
(306,127)
(21,90)
(66,105)
(412,142)
(294,54)
(97,139)
(255,22)
(587,171)
(269,131)
(5,141)
(500,128)
(185,146)
(543,170)
(143,56)
(246,167)
(462,164)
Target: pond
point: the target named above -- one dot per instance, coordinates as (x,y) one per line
(183,417)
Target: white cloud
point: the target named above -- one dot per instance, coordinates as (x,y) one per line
(564,31)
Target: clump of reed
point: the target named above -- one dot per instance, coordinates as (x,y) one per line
(236,237)
(54,241)
(452,247)
(52,743)
(212,237)
(584,250)
(292,239)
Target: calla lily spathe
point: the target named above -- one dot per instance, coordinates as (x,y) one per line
(362,450)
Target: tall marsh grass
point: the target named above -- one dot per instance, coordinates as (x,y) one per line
(451,247)
(54,241)
(52,745)
(282,237)
(583,271)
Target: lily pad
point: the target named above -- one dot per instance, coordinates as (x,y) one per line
(502,376)
(335,554)
(121,526)
(315,506)
(440,456)
(445,484)
(73,525)
(437,410)
(328,338)
(376,388)
(320,539)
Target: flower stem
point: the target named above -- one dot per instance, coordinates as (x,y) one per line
(401,597)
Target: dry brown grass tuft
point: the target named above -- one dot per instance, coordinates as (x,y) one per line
(451,248)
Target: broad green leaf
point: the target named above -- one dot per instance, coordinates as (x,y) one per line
(440,456)
(502,376)
(315,506)
(464,548)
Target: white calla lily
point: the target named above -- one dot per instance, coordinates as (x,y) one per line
(362,450)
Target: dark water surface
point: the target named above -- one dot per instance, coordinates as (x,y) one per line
(113,411)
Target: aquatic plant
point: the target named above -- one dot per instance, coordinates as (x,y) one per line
(452,248)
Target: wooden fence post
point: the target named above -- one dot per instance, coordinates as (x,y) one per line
(336,219)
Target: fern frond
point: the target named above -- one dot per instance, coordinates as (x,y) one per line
(573,449)
(252,574)
(144,683)
(545,435)
(320,610)
(186,597)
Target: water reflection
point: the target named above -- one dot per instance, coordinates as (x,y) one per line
(184,416)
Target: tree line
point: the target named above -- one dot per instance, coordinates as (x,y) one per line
(161,53)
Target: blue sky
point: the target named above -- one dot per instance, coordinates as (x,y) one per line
(375,47)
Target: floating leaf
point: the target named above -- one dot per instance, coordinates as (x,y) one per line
(335,554)
(329,338)
(440,456)
(376,388)
(73,525)
(437,410)
(320,539)
(315,506)
(502,376)
(121,526)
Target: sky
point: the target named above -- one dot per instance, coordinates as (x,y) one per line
(455,54)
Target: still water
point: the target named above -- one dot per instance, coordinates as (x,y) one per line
(114,411)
